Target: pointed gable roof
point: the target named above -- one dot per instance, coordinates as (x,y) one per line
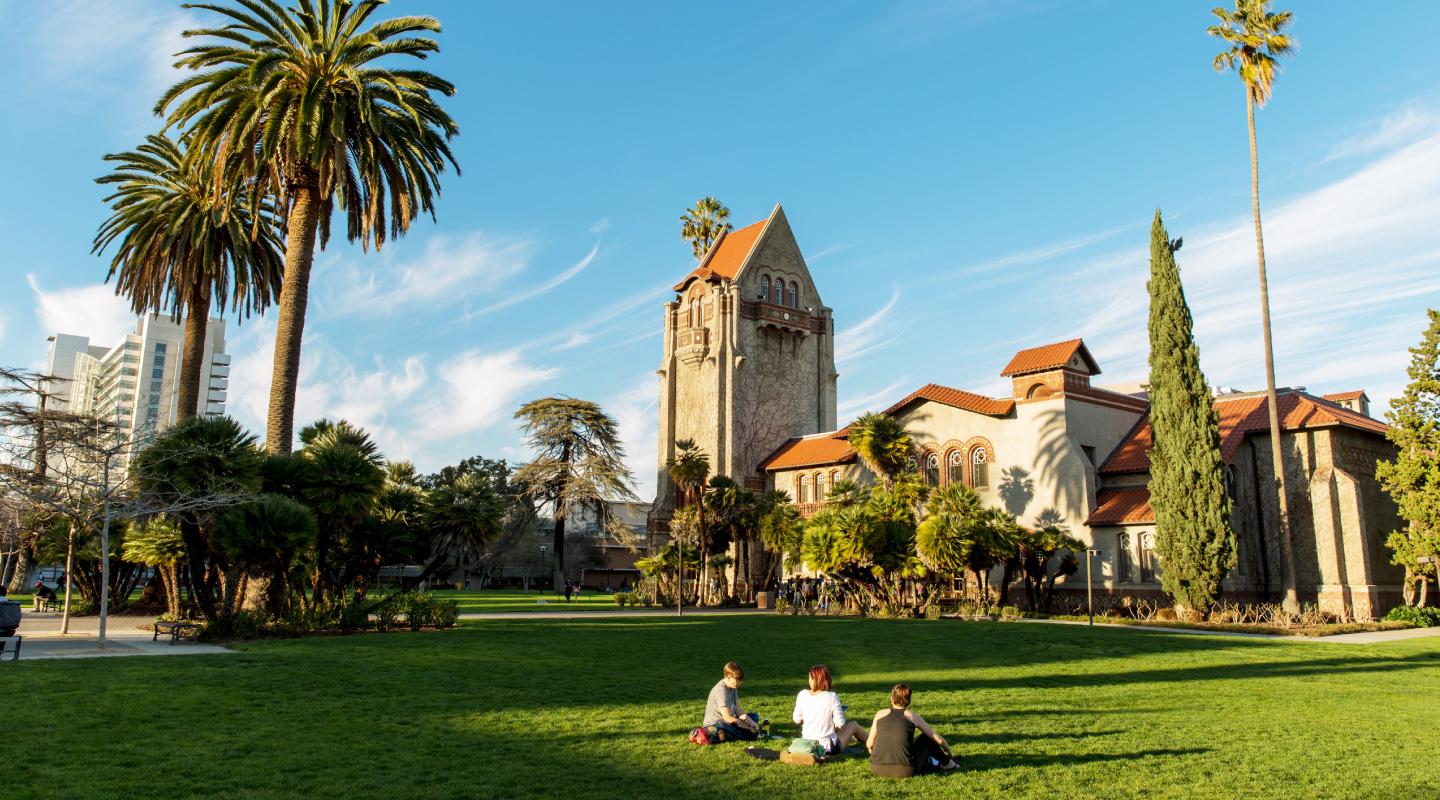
(729,253)
(1050,356)
(956,398)
(1239,417)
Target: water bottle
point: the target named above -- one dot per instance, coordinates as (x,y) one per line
(765,728)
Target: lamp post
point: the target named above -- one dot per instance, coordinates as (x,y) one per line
(1424,581)
(542,569)
(1090,586)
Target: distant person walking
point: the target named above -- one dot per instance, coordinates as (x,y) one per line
(568,590)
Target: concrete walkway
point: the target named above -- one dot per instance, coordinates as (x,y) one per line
(124,636)
(1366,637)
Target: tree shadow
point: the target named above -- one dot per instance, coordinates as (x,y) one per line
(985,762)
(1017,488)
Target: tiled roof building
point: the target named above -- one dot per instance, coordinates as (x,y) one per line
(749,374)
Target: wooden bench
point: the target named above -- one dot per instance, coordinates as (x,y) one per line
(50,605)
(177,630)
(10,640)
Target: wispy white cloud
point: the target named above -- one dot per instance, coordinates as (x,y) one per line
(636,412)
(449,272)
(868,335)
(92,311)
(601,226)
(511,298)
(1413,122)
(834,248)
(852,407)
(476,390)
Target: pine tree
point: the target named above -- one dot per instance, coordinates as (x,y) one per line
(1187,481)
(1413,478)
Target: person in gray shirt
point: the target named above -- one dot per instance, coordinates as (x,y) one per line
(722,708)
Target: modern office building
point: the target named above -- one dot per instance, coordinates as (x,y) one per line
(136,380)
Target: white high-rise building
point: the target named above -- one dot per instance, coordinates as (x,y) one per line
(136,380)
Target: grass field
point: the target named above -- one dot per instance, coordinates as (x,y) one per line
(600,709)
(509,600)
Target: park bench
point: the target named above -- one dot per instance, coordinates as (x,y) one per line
(177,630)
(13,643)
(50,605)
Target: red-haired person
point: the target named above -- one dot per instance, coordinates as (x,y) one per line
(821,717)
(895,749)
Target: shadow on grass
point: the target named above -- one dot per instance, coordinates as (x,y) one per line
(986,762)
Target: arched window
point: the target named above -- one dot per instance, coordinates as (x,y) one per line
(957,468)
(1038,392)
(820,487)
(932,469)
(1122,558)
(764,288)
(1147,557)
(697,313)
(804,491)
(794,296)
(980,469)
(1230,483)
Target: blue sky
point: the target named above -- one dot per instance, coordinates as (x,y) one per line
(967,179)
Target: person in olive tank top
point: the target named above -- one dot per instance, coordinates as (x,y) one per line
(896,751)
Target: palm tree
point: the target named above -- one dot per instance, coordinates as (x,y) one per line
(689,468)
(344,480)
(883,445)
(262,540)
(200,457)
(781,529)
(703,224)
(463,518)
(292,99)
(1255,37)
(187,241)
(579,463)
(160,546)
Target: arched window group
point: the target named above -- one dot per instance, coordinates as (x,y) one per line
(815,488)
(697,312)
(781,294)
(947,468)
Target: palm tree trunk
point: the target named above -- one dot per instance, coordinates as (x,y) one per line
(192,362)
(1287,552)
(290,328)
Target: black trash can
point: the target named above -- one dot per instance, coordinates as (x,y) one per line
(9,617)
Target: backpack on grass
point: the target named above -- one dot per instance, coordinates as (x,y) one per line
(707,734)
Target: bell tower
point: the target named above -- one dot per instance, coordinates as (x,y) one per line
(749,357)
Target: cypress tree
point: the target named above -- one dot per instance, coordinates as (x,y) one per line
(1187,479)
(1413,478)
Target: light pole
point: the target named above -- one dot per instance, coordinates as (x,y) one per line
(1424,581)
(1090,586)
(542,569)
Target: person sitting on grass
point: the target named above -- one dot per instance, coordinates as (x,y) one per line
(821,717)
(722,708)
(896,751)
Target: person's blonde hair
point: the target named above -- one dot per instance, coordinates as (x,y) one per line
(733,670)
(900,696)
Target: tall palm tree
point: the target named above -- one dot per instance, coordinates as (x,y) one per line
(345,478)
(579,463)
(689,468)
(1255,37)
(292,98)
(883,445)
(703,224)
(187,241)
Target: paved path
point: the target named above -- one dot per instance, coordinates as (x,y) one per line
(1366,637)
(124,637)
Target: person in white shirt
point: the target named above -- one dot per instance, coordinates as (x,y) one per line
(821,716)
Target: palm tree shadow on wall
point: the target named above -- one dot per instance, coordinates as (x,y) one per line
(1017,488)
(1052,518)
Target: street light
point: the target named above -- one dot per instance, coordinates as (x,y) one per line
(1090,586)
(542,569)
(1425,582)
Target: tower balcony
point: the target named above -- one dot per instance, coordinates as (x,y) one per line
(692,345)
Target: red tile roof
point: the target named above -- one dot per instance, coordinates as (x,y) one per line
(727,255)
(1240,417)
(956,398)
(811,451)
(1335,398)
(1122,507)
(1050,356)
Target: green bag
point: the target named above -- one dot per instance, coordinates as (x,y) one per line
(807,746)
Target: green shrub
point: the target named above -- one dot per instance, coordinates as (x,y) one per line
(932,612)
(1009,613)
(782,605)
(1424,617)
(444,613)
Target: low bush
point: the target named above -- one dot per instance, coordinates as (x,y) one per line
(622,599)
(1423,617)
(1009,613)
(932,612)
(339,616)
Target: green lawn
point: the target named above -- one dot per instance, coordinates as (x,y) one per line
(600,708)
(507,600)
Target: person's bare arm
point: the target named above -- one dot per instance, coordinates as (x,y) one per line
(874,726)
(925,727)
